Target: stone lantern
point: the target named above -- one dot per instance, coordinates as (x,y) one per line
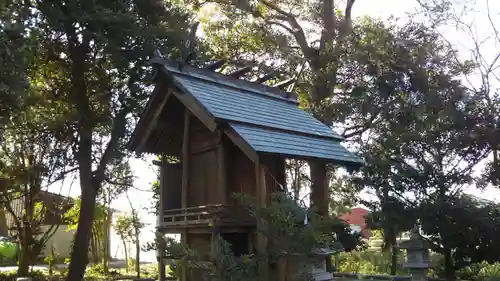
(318,266)
(417,256)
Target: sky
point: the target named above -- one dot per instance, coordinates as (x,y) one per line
(382,9)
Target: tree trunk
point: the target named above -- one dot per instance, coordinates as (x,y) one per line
(27,235)
(394,259)
(449,268)
(79,255)
(105,255)
(137,254)
(93,246)
(97,243)
(296,187)
(24,261)
(126,254)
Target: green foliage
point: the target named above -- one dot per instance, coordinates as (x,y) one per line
(16,48)
(99,225)
(368,262)
(51,260)
(377,262)
(124,227)
(282,223)
(72,216)
(91,66)
(480,271)
(95,269)
(420,152)
(155,188)
(31,157)
(464,214)
(12,276)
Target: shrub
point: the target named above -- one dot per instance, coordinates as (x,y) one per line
(483,271)
(369,262)
(374,261)
(36,275)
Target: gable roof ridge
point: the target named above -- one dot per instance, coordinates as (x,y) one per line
(224,80)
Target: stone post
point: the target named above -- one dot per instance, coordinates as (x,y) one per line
(318,267)
(417,256)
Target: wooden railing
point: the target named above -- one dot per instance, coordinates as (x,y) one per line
(207,215)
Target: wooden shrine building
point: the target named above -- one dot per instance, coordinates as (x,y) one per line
(228,136)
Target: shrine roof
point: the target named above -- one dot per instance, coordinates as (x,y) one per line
(292,145)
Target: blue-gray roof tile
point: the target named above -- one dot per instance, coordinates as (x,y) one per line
(271,141)
(236,104)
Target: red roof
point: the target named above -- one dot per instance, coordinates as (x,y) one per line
(357,217)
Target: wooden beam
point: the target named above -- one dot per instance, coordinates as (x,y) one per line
(242,144)
(265,78)
(240,72)
(216,65)
(187,51)
(284,83)
(197,109)
(156,112)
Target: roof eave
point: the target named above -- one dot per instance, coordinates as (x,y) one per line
(132,143)
(226,121)
(354,165)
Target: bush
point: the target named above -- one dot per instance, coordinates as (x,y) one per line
(480,271)
(369,262)
(36,275)
(374,261)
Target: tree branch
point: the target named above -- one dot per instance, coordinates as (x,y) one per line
(296,30)
(117,131)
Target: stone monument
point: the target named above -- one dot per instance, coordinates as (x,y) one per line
(417,256)
(318,267)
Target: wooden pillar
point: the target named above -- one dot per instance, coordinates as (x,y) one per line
(161,261)
(260,180)
(162,274)
(185,177)
(320,195)
(185,159)
(221,171)
(281,171)
(161,207)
